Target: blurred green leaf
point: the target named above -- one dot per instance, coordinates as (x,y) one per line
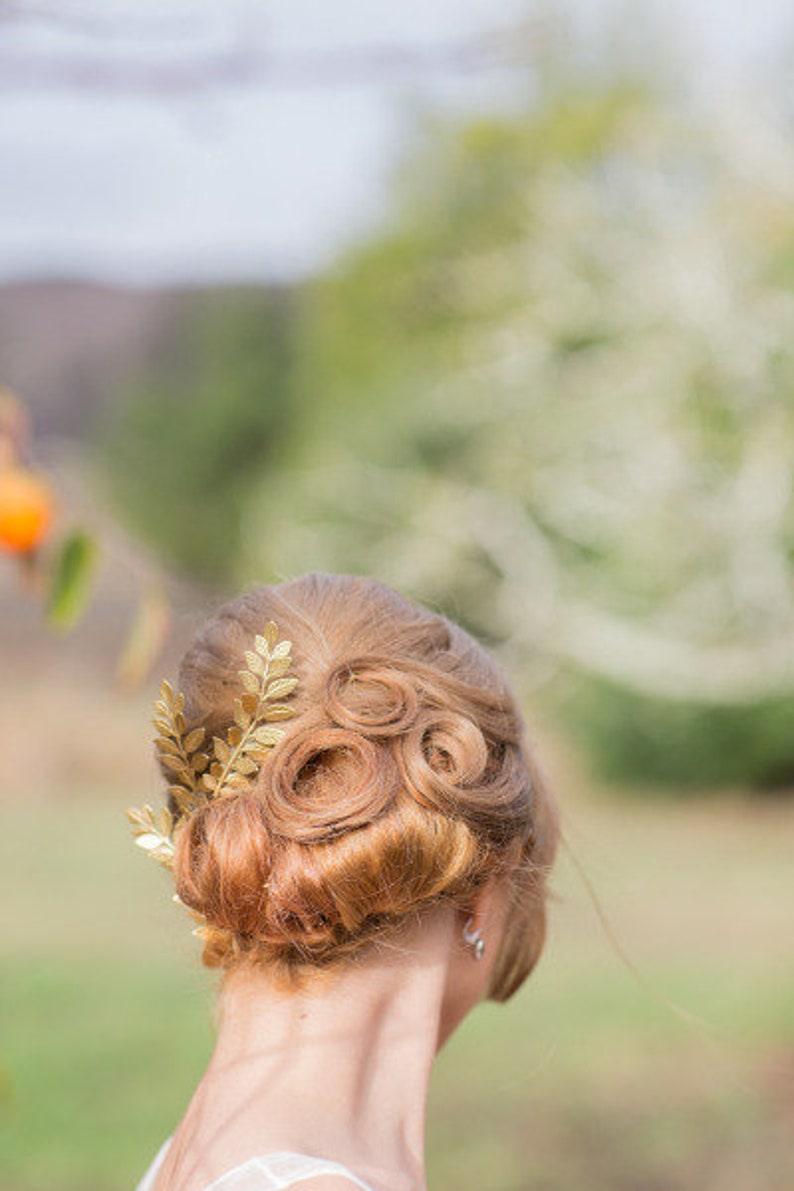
(72,575)
(145,640)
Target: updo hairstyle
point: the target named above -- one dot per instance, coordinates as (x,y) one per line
(405,779)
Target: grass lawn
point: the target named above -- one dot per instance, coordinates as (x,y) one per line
(587,1079)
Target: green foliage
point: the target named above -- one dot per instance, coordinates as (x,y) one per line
(72,577)
(182,449)
(682,747)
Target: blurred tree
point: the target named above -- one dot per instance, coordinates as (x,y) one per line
(554,395)
(179,453)
(57,557)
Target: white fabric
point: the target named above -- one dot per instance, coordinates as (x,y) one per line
(269,1172)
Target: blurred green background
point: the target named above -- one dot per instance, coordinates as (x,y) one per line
(551,393)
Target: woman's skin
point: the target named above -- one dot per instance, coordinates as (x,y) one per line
(341,1070)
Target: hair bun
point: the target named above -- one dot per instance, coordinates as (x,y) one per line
(403,780)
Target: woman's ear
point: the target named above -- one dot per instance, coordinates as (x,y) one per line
(482,920)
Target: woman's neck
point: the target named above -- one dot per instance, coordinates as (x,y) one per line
(341,1070)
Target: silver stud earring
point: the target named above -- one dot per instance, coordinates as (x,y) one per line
(474,937)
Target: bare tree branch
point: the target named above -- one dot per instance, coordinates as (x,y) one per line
(247,62)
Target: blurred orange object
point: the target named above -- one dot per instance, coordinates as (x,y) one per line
(26,510)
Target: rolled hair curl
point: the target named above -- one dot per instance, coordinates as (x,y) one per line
(405,779)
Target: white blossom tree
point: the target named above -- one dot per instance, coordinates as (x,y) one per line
(574,421)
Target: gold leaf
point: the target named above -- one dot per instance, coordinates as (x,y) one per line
(166,745)
(148,840)
(177,765)
(138,816)
(152,832)
(261,646)
(269,736)
(179,722)
(167,692)
(216,769)
(162,725)
(255,664)
(243,765)
(199,761)
(194,739)
(250,703)
(282,686)
(249,681)
(179,704)
(237,779)
(278,667)
(176,790)
(258,752)
(208,782)
(165,823)
(185,801)
(278,711)
(234,736)
(271,633)
(241,717)
(282,649)
(222,750)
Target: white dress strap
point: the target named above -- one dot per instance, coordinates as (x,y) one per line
(280,1170)
(147,1182)
(267,1172)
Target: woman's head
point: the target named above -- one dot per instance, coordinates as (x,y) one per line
(404,780)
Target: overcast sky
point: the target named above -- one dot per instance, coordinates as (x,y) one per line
(256,181)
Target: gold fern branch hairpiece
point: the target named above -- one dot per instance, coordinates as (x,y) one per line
(199,778)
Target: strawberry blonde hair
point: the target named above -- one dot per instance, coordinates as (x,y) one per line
(405,779)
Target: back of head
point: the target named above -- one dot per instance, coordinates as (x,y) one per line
(404,779)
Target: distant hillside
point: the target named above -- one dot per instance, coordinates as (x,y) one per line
(65,346)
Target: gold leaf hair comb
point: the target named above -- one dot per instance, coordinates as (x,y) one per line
(199,775)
